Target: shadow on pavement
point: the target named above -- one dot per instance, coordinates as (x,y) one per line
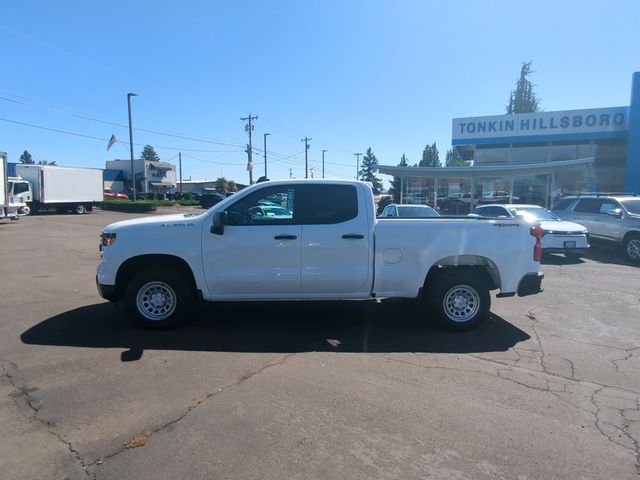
(607,254)
(361,326)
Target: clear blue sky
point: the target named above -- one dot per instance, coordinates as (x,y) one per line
(389,75)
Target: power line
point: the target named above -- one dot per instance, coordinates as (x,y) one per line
(106,122)
(75,134)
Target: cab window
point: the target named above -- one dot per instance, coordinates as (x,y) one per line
(267,206)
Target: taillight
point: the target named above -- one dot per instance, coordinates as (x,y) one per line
(537,232)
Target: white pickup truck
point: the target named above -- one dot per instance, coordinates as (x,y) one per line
(314,240)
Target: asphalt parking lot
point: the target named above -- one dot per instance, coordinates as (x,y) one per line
(548,388)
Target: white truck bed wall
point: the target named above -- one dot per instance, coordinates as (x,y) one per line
(3,182)
(53,184)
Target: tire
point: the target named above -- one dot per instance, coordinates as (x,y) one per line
(632,248)
(158,298)
(25,210)
(79,209)
(460,299)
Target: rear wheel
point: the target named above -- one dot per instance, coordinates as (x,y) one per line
(460,299)
(158,298)
(80,209)
(632,247)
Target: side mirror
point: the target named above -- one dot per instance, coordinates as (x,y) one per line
(616,212)
(219,221)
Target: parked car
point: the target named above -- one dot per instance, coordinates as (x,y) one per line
(408,210)
(108,193)
(269,211)
(610,218)
(559,236)
(208,200)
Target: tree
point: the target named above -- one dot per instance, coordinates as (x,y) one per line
(453,159)
(222,184)
(149,154)
(231,186)
(430,157)
(396,183)
(368,171)
(523,99)
(26,157)
(46,162)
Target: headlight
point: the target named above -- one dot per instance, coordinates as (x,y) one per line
(107,239)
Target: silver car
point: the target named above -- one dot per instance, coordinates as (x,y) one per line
(408,211)
(610,218)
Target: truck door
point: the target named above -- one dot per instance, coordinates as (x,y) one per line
(258,255)
(337,250)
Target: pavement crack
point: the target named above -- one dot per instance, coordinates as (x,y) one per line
(152,431)
(628,355)
(22,392)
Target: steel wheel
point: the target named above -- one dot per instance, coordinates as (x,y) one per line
(461,303)
(156,301)
(459,297)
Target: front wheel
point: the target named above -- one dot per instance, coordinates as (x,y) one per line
(632,248)
(460,299)
(157,298)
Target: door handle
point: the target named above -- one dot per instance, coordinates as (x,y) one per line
(285,237)
(353,236)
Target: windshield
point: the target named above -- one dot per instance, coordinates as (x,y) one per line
(632,205)
(416,211)
(533,213)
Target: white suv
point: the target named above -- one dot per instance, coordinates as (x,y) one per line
(559,236)
(610,218)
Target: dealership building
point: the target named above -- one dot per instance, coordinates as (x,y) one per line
(533,158)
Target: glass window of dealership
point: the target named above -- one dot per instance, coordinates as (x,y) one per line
(533,158)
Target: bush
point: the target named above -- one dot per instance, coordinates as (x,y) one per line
(151,196)
(165,203)
(161,196)
(140,206)
(187,196)
(188,203)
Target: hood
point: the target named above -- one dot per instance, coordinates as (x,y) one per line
(562,226)
(175,220)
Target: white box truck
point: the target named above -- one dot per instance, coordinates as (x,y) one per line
(8,208)
(62,188)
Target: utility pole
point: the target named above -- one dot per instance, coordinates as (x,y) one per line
(306,150)
(290,173)
(357,164)
(133,176)
(249,128)
(265,154)
(180,163)
(323,162)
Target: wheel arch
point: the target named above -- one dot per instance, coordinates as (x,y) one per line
(135,265)
(481,266)
(630,234)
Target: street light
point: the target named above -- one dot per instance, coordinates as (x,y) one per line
(133,178)
(265,154)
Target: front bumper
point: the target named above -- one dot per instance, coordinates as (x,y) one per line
(108,292)
(530,284)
